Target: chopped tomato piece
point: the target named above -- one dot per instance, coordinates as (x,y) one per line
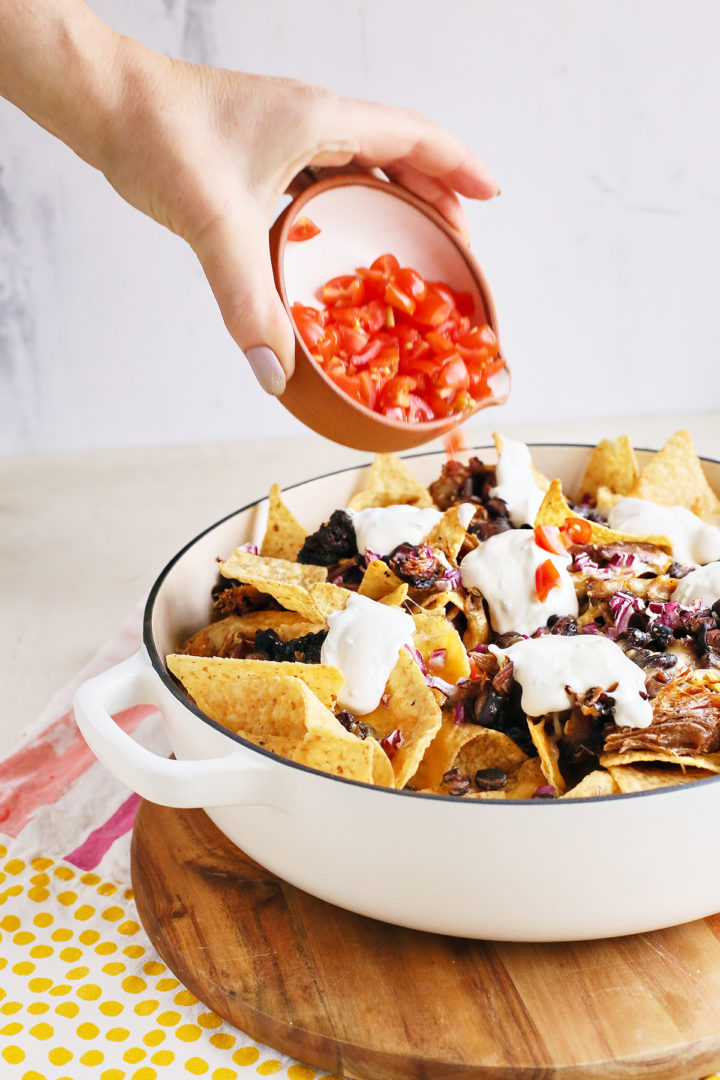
(578,530)
(302,229)
(410,282)
(549,538)
(401,345)
(547,577)
(346,290)
(398,299)
(453,444)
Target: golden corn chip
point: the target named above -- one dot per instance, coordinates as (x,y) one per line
(488,750)
(448,535)
(434,632)
(243,566)
(524,782)
(327,746)
(675,477)
(548,754)
(379,583)
(595,783)
(542,481)
(612,465)
(554,510)
(408,706)
(284,535)
(287,582)
(605,499)
(441,753)
(219,677)
(708,762)
(389,482)
(647,777)
(382,770)
(326,598)
(219,638)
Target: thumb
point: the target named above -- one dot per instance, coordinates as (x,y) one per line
(235,255)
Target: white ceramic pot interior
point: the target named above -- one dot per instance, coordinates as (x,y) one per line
(360,223)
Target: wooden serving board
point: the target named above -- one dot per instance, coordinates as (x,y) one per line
(367,1000)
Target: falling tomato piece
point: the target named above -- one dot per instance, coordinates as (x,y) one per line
(302,229)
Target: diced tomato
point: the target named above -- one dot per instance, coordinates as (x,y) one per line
(452,374)
(474,669)
(346,290)
(464,303)
(578,530)
(549,538)
(433,309)
(387,265)
(400,345)
(309,323)
(398,299)
(453,444)
(329,343)
(547,577)
(302,229)
(410,282)
(353,339)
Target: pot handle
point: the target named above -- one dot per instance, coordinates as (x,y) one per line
(237,779)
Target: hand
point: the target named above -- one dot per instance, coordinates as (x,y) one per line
(208,152)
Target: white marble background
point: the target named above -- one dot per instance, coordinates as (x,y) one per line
(600,121)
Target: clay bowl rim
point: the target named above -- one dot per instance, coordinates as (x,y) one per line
(279,240)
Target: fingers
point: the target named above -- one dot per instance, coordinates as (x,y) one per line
(399,138)
(235,256)
(434,192)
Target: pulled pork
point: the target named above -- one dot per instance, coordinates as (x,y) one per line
(686,720)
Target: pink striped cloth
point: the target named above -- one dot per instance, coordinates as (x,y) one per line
(83,993)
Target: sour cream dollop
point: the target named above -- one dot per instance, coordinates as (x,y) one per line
(516,483)
(545,666)
(503,567)
(382,528)
(693,540)
(364,640)
(702,584)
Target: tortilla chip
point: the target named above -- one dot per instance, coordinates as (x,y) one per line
(710,763)
(379,583)
(382,770)
(548,754)
(326,598)
(407,705)
(542,481)
(675,477)
(448,535)
(613,465)
(524,782)
(389,482)
(488,750)
(554,510)
(284,535)
(432,632)
(605,499)
(287,582)
(595,783)
(215,678)
(220,638)
(647,777)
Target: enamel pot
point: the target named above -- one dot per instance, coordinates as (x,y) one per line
(523,870)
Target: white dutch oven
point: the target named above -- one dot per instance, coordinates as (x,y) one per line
(539,870)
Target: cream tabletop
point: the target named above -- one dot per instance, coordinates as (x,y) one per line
(83,535)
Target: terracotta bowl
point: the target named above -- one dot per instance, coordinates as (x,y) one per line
(360,218)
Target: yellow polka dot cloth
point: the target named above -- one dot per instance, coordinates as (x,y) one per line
(83,993)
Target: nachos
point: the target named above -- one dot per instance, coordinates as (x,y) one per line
(492,636)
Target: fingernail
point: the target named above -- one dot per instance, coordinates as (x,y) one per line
(498,192)
(267,369)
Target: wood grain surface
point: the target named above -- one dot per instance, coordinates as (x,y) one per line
(371,1001)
